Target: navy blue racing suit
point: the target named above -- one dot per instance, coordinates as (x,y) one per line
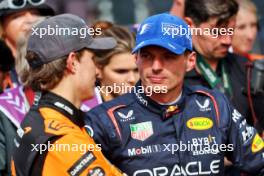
(191,137)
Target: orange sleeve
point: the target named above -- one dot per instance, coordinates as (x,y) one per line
(77,154)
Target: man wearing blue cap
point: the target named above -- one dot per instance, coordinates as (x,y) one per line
(183,131)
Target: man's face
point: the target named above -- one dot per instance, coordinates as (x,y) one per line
(210,46)
(245,32)
(160,67)
(19,24)
(85,75)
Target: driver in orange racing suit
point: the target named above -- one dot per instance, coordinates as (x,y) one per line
(52,139)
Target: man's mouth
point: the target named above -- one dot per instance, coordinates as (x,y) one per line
(156,79)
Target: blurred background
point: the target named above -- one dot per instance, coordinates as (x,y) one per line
(128,12)
(259,45)
(122,12)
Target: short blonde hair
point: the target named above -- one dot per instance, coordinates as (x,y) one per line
(21,64)
(248,5)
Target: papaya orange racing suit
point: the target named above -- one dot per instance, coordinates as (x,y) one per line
(52,141)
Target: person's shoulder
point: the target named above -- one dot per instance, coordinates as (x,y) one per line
(6,123)
(32,125)
(219,100)
(214,94)
(47,122)
(199,89)
(13,98)
(10,93)
(235,58)
(254,57)
(237,66)
(56,123)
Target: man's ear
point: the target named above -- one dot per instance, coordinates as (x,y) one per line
(99,71)
(71,62)
(191,61)
(189,21)
(136,58)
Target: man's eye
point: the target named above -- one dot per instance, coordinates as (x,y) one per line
(121,71)
(145,55)
(241,27)
(169,56)
(253,25)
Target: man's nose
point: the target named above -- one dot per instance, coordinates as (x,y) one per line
(157,64)
(31,18)
(226,39)
(251,33)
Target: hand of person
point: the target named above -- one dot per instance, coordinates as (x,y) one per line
(227,162)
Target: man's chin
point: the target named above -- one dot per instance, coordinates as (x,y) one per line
(156,88)
(222,53)
(220,56)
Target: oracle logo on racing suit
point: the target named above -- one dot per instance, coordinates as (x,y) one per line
(180,170)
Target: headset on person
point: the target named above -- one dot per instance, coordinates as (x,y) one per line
(18,4)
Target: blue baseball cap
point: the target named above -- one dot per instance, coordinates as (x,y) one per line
(164,30)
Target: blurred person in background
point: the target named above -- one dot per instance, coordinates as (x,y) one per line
(227,71)
(16,20)
(178,8)
(116,67)
(215,67)
(246,30)
(259,48)
(14,104)
(86,9)
(7,62)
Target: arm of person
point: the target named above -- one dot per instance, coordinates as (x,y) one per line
(102,130)
(248,146)
(7,134)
